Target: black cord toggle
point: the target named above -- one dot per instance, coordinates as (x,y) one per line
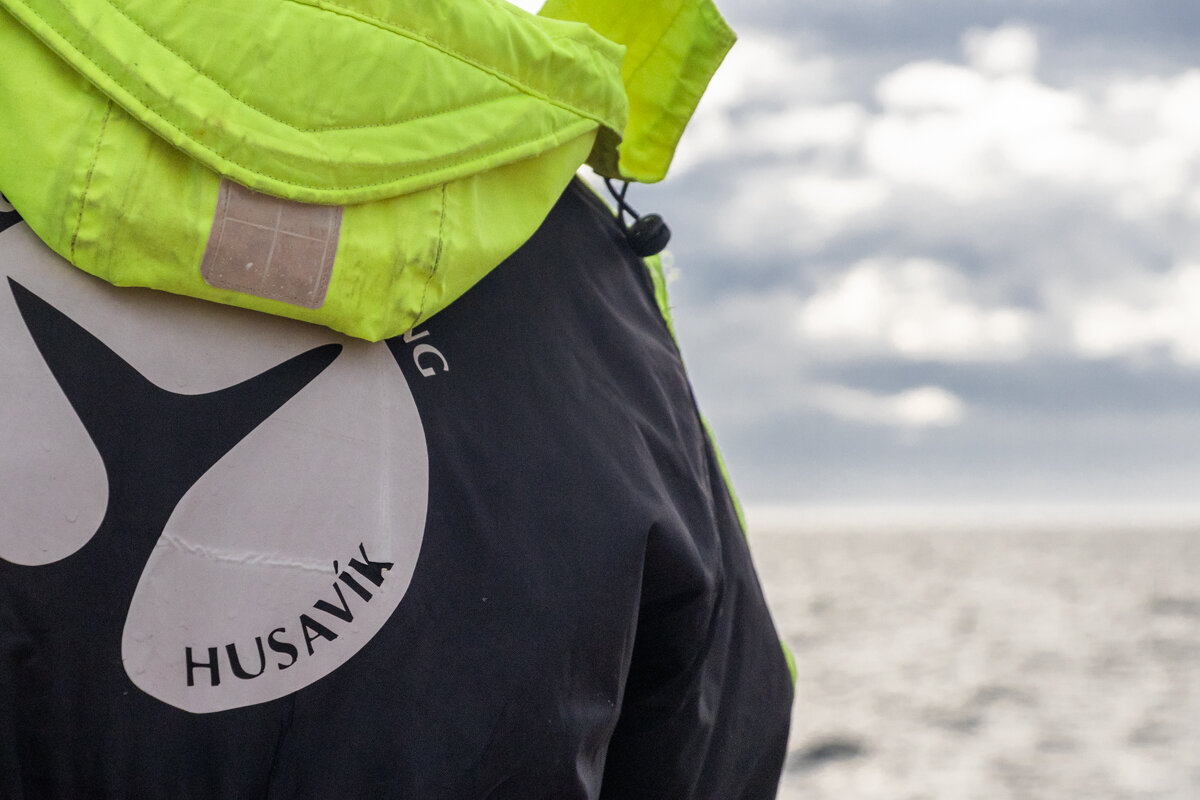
(648,235)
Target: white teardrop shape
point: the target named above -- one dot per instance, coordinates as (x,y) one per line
(338,475)
(53,487)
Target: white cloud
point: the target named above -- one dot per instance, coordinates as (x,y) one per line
(969,135)
(924,310)
(1139,315)
(915,309)
(819,203)
(772,96)
(956,141)
(921,407)
(932,86)
(803,128)
(1066,181)
(1003,50)
(1179,109)
(739,337)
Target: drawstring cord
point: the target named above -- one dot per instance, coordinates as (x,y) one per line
(648,235)
(622,206)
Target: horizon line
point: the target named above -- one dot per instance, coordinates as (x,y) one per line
(768,518)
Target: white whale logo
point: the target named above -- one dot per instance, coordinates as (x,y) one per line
(289,554)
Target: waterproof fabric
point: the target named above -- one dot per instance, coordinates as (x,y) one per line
(443,132)
(673,47)
(492,558)
(118,123)
(339,102)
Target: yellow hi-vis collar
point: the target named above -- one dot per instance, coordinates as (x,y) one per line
(359,164)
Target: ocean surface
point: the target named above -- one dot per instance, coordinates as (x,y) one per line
(960,663)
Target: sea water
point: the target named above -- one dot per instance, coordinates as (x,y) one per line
(1018,661)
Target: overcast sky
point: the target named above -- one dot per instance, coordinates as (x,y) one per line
(946,252)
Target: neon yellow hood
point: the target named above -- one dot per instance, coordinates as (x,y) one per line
(437,134)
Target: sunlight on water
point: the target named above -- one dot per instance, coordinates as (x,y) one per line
(1024,660)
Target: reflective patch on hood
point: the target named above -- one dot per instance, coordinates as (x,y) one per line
(271,248)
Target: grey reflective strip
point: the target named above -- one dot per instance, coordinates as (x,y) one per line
(271,248)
